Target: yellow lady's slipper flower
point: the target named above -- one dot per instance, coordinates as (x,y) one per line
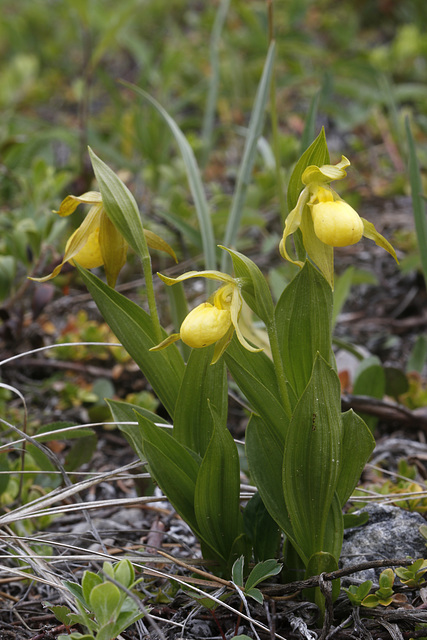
(97,242)
(211,322)
(325,220)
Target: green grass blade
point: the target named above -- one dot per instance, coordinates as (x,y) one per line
(209,115)
(245,169)
(194,179)
(418,204)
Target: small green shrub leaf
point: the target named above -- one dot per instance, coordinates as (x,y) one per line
(262,571)
(89,581)
(104,599)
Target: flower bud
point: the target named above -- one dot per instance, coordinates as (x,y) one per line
(90,255)
(204,325)
(336,223)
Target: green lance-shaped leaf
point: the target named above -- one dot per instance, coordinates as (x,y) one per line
(265,457)
(255,288)
(172,466)
(216,503)
(202,384)
(120,205)
(334,529)
(357,445)
(255,375)
(304,325)
(134,328)
(125,412)
(317,154)
(312,457)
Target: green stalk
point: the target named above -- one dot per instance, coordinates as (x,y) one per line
(278,366)
(149,288)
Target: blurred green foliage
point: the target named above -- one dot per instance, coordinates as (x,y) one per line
(60,90)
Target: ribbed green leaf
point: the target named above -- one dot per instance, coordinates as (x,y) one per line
(255,287)
(312,457)
(254,374)
(120,205)
(321,562)
(133,327)
(172,466)
(125,412)
(334,530)
(265,458)
(216,504)
(357,446)
(202,384)
(317,154)
(304,325)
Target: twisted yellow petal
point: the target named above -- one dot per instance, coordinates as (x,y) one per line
(326,173)
(70,203)
(90,255)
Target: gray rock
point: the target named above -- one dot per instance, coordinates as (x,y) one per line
(390,533)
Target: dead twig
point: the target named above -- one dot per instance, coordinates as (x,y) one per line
(385,410)
(273,591)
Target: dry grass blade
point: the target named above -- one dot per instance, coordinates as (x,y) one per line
(55,346)
(39,505)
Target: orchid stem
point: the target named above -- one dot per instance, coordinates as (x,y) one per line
(149,287)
